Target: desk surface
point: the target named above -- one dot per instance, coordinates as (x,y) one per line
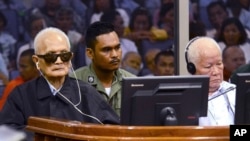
(78,130)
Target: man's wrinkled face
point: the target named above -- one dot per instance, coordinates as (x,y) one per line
(54,48)
(210,63)
(234,57)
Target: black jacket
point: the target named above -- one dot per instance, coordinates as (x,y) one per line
(34,98)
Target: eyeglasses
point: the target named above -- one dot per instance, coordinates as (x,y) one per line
(51,57)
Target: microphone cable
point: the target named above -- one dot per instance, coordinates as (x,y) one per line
(226,91)
(226,97)
(75,106)
(80,97)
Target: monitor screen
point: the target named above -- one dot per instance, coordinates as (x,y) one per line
(164,100)
(242,103)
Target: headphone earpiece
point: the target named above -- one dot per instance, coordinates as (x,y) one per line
(190,66)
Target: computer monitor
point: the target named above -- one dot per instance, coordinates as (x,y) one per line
(164,100)
(242,103)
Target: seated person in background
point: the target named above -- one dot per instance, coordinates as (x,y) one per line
(204,57)
(33,24)
(49,7)
(164,63)
(232,57)
(141,28)
(27,70)
(112,16)
(233,33)
(4,74)
(64,21)
(104,73)
(132,62)
(7,44)
(3,79)
(149,67)
(166,19)
(217,13)
(101,6)
(54,93)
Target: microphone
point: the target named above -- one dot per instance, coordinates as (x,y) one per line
(226,91)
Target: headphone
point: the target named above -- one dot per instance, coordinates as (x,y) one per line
(190,66)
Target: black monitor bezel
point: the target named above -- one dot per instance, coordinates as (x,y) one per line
(242,99)
(128,90)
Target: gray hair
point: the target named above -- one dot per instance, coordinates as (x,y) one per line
(46,32)
(197,45)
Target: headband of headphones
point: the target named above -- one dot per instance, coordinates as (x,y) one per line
(187,47)
(190,66)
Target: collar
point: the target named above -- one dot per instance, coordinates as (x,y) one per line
(44,88)
(53,89)
(92,78)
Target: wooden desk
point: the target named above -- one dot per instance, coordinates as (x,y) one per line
(49,129)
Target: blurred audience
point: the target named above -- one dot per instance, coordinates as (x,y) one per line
(7,44)
(34,23)
(132,62)
(157,11)
(164,63)
(49,8)
(232,32)
(166,19)
(114,17)
(128,5)
(217,13)
(149,67)
(245,4)
(236,10)
(4,73)
(101,6)
(64,21)
(141,28)
(233,57)
(27,70)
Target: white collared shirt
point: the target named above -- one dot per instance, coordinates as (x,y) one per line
(221,109)
(53,89)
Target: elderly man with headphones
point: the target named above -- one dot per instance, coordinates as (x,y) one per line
(204,57)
